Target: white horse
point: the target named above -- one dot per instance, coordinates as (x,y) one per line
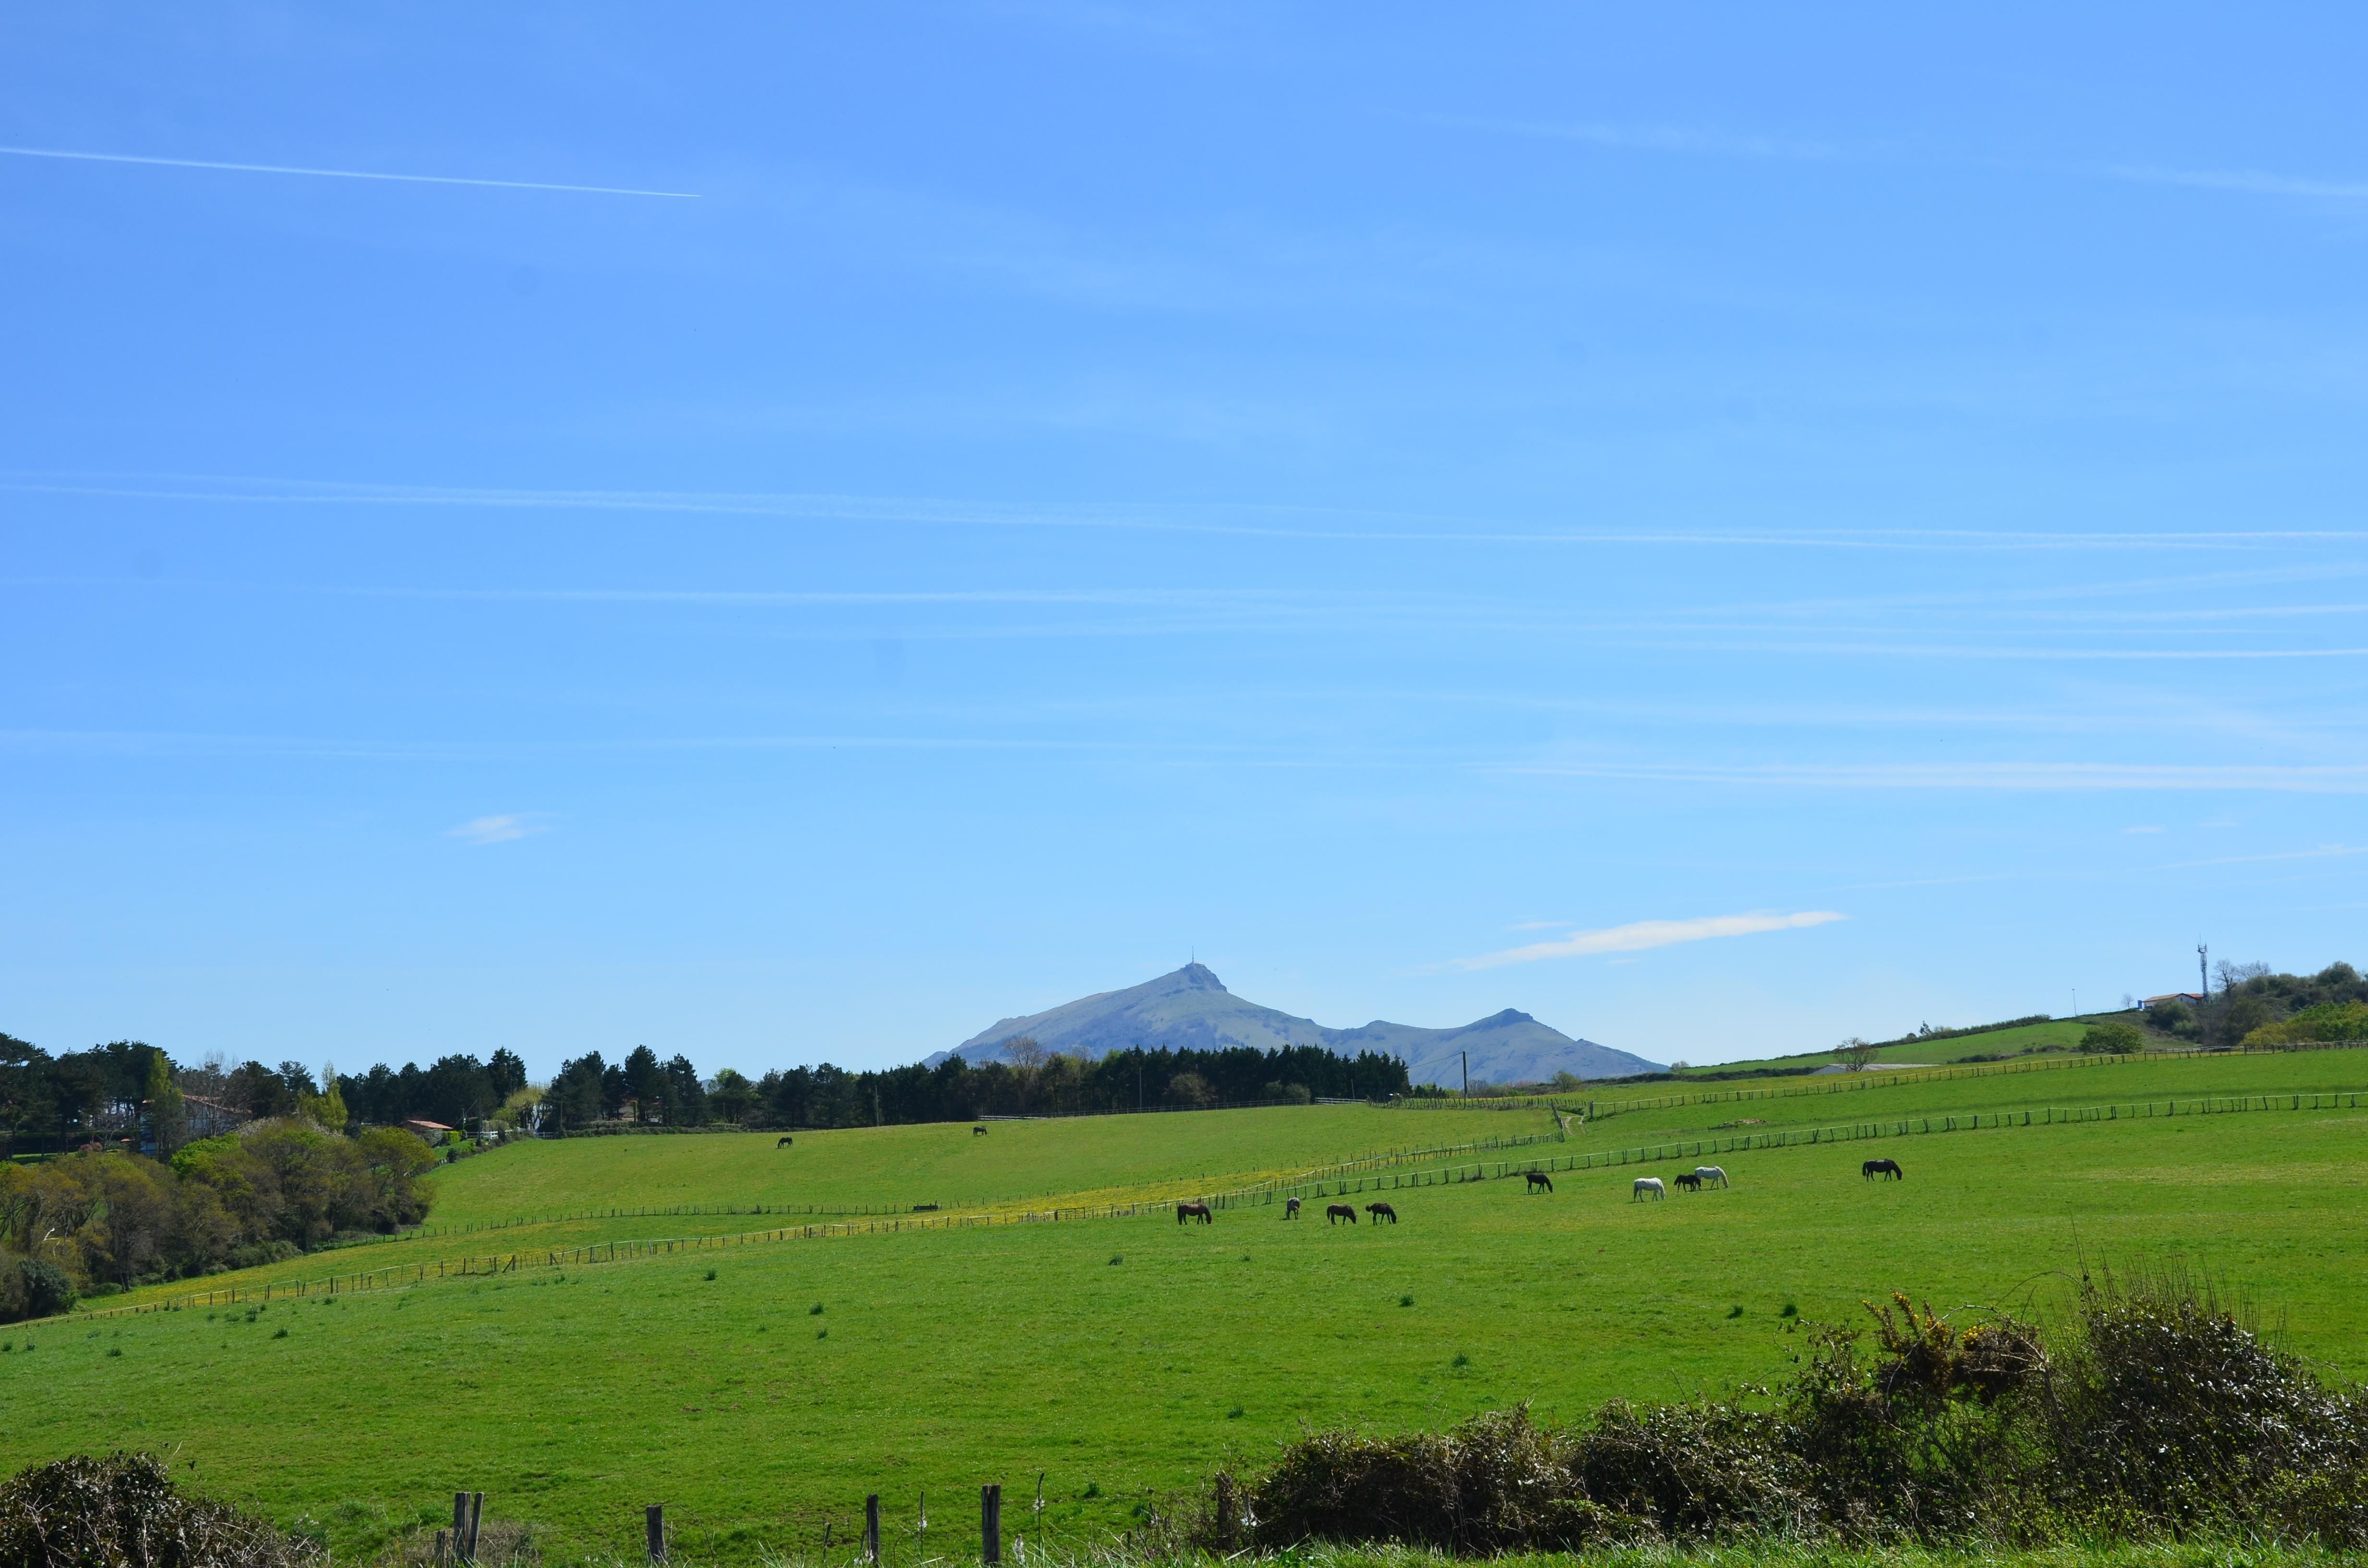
(1711,1173)
(1649,1184)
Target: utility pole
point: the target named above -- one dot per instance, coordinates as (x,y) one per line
(1468,1072)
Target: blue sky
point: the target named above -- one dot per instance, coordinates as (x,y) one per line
(1720,531)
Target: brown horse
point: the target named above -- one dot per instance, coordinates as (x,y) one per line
(1339,1212)
(1291,1209)
(1537,1180)
(1187,1212)
(1688,1181)
(1381,1211)
(1887,1169)
(783,1144)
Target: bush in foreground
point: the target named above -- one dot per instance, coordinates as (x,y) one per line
(122,1512)
(2163,1416)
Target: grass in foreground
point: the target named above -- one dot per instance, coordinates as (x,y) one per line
(1124,1359)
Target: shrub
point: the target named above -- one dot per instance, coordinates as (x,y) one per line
(2113,1039)
(1499,1483)
(2165,1414)
(98,1512)
(2328,1021)
(32,1287)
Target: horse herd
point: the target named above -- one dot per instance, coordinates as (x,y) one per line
(1188,1212)
(1694,1180)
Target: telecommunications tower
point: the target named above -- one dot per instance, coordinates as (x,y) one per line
(2204,970)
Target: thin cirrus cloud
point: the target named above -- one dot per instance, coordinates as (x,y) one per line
(1716,142)
(498,829)
(1645,934)
(81,157)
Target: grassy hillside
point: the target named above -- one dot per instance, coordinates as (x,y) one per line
(2056,1034)
(943,1360)
(896,1168)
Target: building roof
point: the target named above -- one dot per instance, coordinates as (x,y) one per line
(422,1121)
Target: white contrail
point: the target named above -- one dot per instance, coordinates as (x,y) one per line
(340,174)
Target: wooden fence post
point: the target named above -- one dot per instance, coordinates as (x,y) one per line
(872,1529)
(461,1526)
(654,1528)
(990,1523)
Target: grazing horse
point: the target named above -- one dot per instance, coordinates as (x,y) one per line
(1339,1212)
(1712,1173)
(1381,1211)
(1291,1209)
(783,1144)
(1537,1180)
(1186,1211)
(1688,1181)
(1649,1184)
(978,1131)
(1887,1169)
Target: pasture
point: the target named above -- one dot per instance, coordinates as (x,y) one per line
(1124,1358)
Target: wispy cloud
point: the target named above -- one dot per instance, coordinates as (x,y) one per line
(2248,182)
(1716,143)
(500,829)
(1321,524)
(2326,780)
(1700,140)
(1644,935)
(338,173)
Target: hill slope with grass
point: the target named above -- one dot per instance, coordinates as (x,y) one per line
(760,1390)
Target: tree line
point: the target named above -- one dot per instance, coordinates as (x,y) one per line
(588,1091)
(106,1221)
(130,1092)
(2256,1007)
(110,1092)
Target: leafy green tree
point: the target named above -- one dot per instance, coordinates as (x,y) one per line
(2113,1039)
(645,1083)
(168,1121)
(730,1095)
(505,1070)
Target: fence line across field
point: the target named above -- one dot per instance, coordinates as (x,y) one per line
(1262,1194)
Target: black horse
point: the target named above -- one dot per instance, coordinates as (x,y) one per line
(784,1143)
(1887,1169)
(978,1131)
(1339,1212)
(1189,1212)
(1381,1211)
(1691,1181)
(1537,1180)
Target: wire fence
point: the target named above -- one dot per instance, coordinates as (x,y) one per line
(1259,1195)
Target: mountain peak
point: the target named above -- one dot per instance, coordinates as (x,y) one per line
(1197,976)
(1190,1008)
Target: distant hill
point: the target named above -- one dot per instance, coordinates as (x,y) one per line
(1191,1010)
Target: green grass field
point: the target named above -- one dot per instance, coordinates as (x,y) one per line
(2055,1034)
(943,1360)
